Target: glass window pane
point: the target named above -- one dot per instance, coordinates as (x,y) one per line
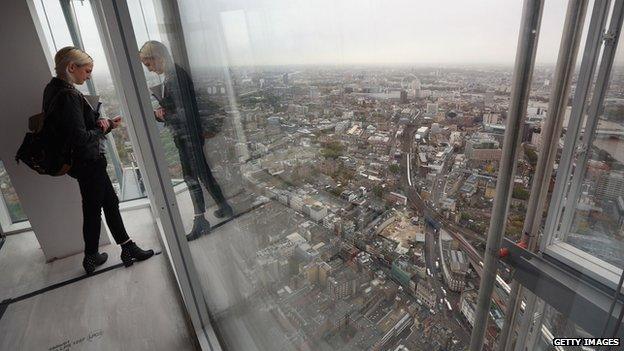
(304,121)
(9,197)
(596,222)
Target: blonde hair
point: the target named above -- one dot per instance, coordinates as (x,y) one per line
(65,57)
(154,49)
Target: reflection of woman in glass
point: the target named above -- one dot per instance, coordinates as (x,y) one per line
(178,110)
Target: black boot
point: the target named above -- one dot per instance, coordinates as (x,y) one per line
(91,261)
(200,227)
(225,210)
(130,252)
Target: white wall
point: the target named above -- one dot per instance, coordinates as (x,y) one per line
(52,204)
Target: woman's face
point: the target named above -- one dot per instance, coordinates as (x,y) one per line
(154,64)
(80,73)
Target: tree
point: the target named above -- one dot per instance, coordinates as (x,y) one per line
(332,149)
(531,156)
(520,193)
(378,191)
(394,168)
(464,216)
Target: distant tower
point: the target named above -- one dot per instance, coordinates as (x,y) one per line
(285,78)
(416,87)
(403,97)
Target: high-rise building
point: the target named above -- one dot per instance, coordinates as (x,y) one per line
(610,185)
(343,284)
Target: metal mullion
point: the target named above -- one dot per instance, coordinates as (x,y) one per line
(602,85)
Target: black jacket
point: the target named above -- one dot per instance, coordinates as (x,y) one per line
(180,104)
(74,119)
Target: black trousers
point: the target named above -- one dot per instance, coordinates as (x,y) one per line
(195,168)
(98,193)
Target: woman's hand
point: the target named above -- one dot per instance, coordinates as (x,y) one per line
(116,121)
(103,124)
(159,113)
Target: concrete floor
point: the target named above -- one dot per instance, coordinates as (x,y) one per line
(139,308)
(135,308)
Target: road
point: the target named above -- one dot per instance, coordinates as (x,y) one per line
(457,232)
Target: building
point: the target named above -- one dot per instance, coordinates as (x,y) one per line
(317,212)
(274,125)
(342,285)
(425,293)
(397,198)
(482,147)
(400,271)
(468,305)
(403,97)
(432,109)
(324,269)
(454,263)
(610,185)
(421,133)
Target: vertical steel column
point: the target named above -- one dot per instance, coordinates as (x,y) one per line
(556,111)
(521,84)
(74,32)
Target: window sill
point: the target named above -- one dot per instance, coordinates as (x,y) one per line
(16,228)
(582,261)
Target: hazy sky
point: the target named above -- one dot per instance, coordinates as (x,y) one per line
(267,32)
(384,31)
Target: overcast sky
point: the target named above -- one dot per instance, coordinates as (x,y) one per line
(385,31)
(269,32)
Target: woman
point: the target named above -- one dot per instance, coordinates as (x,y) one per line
(178,110)
(78,124)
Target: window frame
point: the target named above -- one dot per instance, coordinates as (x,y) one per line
(558,223)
